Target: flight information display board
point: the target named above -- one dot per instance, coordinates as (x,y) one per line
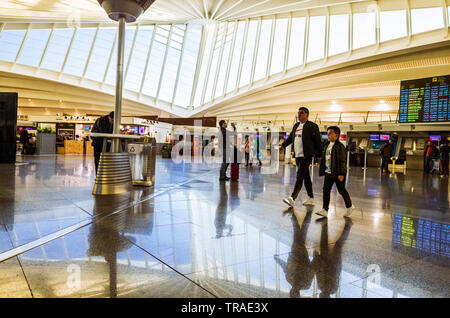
(425,100)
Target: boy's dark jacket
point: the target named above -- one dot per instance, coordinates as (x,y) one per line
(338,160)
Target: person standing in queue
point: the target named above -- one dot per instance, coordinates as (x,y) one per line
(24,140)
(334,168)
(386,154)
(104,125)
(224,134)
(247,146)
(444,151)
(307,143)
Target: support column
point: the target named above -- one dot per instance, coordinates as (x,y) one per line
(119,84)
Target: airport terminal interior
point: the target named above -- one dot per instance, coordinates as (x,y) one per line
(155,219)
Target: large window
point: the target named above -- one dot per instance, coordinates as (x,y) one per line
(100,54)
(57,49)
(151,81)
(224,63)
(263,50)
(214,64)
(279,46)
(172,61)
(34,46)
(427,19)
(138,59)
(248,56)
(79,52)
(316,39)
(231,85)
(10,42)
(364,31)
(338,38)
(296,44)
(112,70)
(188,65)
(210,31)
(392,25)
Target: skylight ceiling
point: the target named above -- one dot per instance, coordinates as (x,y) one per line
(162,11)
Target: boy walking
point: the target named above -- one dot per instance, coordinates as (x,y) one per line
(333,167)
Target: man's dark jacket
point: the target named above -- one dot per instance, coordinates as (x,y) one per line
(224,140)
(312,144)
(386,150)
(445,151)
(101,125)
(338,160)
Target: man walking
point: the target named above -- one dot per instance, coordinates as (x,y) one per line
(103,124)
(307,143)
(223,139)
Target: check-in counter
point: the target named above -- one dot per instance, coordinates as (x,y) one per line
(374,158)
(415,159)
(75,147)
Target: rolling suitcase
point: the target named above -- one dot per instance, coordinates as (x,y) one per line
(234,171)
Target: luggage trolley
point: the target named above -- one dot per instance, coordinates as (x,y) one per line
(435,166)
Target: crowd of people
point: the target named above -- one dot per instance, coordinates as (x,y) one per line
(437,159)
(330,156)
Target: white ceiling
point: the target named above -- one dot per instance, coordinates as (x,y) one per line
(162,11)
(354,88)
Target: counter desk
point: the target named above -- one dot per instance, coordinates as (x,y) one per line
(74,147)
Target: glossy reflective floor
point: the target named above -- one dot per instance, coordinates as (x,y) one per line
(193,236)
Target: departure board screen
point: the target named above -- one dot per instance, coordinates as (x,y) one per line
(425,100)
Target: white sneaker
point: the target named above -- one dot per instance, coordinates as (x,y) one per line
(323,213)
(349,211)
(310,201)
(289,201)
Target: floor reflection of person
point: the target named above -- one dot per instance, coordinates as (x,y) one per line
(443,195)
(221,212)
(327,263)
(298,268)
(385,191)
(254,185)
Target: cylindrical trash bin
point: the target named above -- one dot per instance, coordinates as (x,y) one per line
(142,161)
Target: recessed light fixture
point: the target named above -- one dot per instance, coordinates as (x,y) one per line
(333,102)
(382,101)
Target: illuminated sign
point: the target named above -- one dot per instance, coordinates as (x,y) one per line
(425,100)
